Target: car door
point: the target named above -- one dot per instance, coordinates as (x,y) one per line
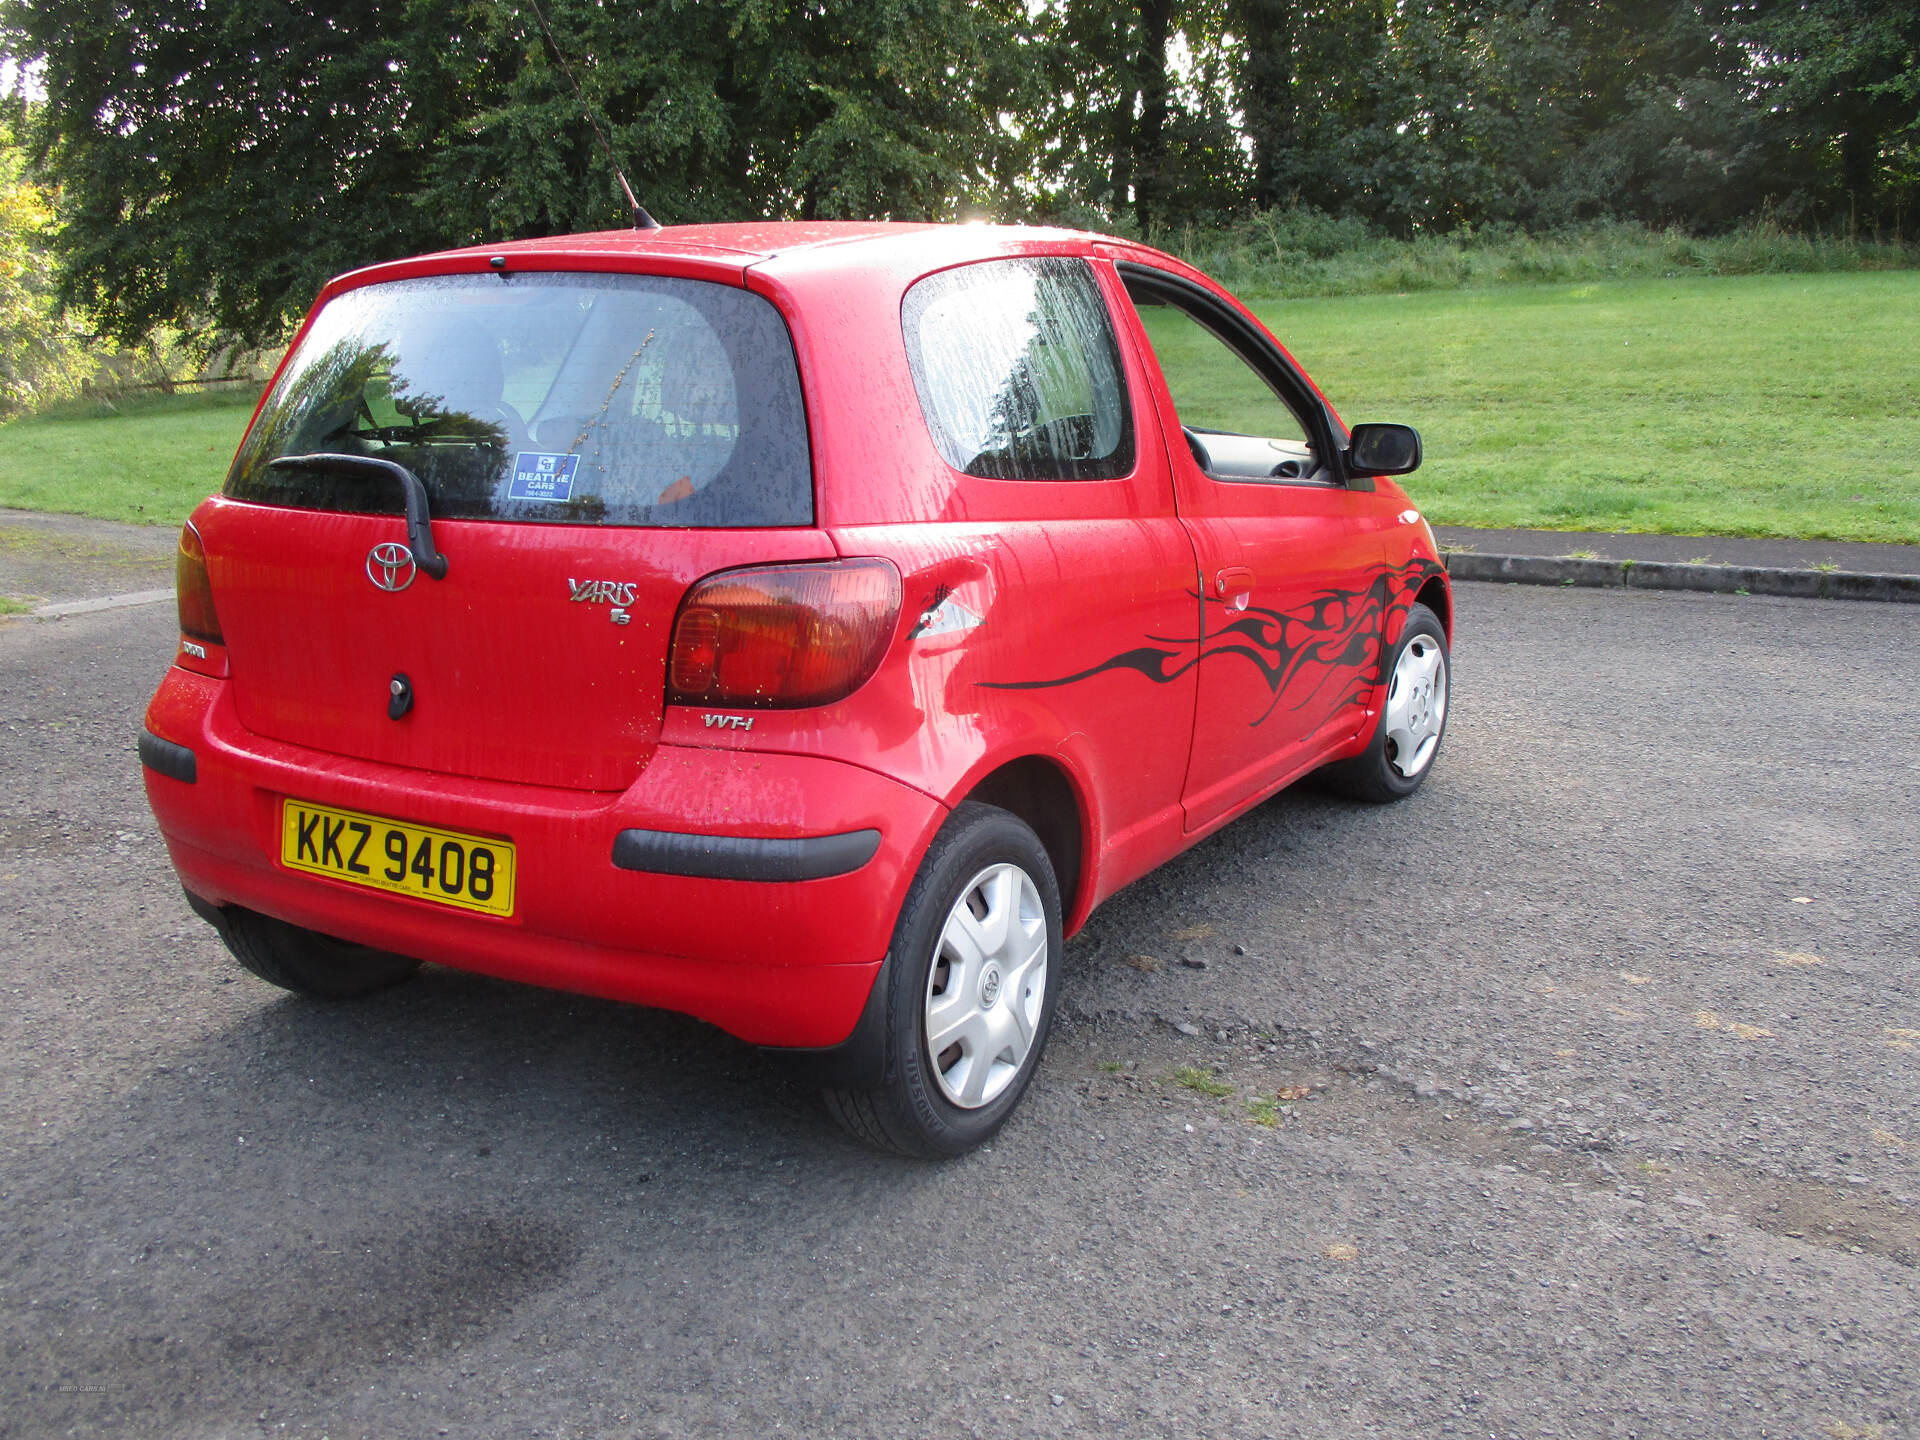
(1288,551)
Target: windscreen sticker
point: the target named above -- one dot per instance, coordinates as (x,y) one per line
(542,477)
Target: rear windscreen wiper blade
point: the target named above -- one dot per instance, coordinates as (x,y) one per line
(419,531)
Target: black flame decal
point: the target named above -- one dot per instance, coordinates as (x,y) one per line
(1336,636)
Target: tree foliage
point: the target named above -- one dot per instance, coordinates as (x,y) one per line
(39,353)
(735,109)
(1841,82)
(219,161)
(216,162)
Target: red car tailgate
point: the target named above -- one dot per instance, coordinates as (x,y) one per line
(512,678)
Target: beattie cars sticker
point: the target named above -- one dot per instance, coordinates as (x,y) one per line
(542,477)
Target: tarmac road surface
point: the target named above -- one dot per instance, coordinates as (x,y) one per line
(1579,1095)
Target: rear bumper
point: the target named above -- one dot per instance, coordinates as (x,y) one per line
(776,959)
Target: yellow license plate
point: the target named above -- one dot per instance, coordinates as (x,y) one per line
(449,867)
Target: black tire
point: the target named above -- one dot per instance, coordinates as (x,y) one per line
(908,1111)
(307,962)
(1372,774)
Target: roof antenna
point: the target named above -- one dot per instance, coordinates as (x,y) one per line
(641,219)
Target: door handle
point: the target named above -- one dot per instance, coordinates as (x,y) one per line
(1234,585)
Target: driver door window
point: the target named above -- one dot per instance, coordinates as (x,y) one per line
(1236,427)
(1287,555)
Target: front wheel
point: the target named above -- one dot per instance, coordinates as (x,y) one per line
(1412,721)
(970,979)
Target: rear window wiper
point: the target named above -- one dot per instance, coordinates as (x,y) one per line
(419,530)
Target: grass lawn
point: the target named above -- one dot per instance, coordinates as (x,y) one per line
(1756,405)
(1749,405)
(150,464)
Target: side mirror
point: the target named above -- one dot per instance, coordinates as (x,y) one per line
(1383,450)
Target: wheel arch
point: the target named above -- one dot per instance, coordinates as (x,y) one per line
(1438,598)
(1042,792)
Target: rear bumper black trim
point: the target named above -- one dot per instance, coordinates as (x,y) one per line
(740,857)
(164,757)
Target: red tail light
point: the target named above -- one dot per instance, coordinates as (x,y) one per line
(780,638)
(193,591)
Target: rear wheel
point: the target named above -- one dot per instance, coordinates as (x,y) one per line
(1412,722)
(970,980)
(307,962)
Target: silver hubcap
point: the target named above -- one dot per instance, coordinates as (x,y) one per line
(1416,706)
(988,980)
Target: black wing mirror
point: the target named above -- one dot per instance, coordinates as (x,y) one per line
(1383,450)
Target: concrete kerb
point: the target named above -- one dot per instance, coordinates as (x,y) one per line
(1665,575)
(103,602)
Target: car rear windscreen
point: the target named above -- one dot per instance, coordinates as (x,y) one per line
(550,396)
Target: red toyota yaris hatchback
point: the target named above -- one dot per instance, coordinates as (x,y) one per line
(799,626)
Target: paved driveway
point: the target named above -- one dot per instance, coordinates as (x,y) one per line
(1575,1097)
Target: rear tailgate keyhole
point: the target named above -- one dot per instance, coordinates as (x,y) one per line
(399,695)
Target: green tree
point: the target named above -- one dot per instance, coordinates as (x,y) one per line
(40,356)
(1432,114)
(1839,81)
(1661,115)
(1080,133)
(1424,114)
(1270,32)
(1134,122)
(218,162)
(214,163)
(735,109)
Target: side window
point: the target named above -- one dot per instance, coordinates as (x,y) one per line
(1237,426)
(1018,371)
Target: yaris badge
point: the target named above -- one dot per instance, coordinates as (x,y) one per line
(390,566)
(618,594)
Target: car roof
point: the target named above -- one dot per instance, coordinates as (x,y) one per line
(770,246)
(766,240)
